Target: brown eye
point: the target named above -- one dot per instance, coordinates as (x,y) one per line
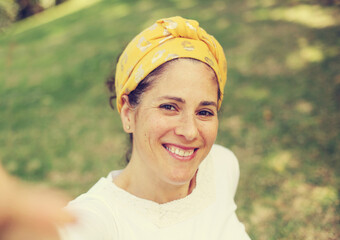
(168,107)
(205,113)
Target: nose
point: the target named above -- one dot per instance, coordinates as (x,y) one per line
(187,127)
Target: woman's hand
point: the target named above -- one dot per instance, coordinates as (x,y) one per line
(30,213)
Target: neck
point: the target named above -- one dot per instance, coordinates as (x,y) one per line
(148,186)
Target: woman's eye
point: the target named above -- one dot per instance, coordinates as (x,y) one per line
(168,107)
(205,113)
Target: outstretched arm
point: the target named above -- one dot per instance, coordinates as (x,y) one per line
(29,212)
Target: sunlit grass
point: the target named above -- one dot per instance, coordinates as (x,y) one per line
(304,55)
(52,14)
(308,15)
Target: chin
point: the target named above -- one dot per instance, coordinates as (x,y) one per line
(181,178)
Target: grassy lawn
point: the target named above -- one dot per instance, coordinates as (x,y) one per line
(280,114)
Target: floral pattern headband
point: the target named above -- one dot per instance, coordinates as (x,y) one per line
(165,40)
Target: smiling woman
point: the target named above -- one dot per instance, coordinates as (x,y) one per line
(174,129)
(177,184)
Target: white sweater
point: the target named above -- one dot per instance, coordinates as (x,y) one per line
(107,212)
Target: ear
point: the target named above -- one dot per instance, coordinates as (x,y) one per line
(127,115)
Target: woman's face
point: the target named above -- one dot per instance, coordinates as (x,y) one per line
(175,124)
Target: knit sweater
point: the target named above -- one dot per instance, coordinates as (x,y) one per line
(107,212)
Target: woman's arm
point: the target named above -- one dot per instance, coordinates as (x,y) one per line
(29,212)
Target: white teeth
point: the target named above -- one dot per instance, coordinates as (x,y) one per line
(177,151)
(180,152)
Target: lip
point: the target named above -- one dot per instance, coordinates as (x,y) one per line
(181,158)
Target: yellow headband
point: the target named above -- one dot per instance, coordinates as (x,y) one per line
(167,39)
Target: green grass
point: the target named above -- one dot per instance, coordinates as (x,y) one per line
(280,114)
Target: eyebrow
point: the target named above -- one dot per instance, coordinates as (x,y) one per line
(177,99)
(181,100)
(208,103)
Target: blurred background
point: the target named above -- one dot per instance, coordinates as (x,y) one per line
(280,113)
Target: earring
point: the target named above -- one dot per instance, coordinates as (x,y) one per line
(128,127)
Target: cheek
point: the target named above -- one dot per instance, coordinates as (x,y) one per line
(209,131)
(162,126)
(155,126)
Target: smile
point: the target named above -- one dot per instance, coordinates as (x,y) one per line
(180,153)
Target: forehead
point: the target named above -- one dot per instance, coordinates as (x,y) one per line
(190,64)
(186,78)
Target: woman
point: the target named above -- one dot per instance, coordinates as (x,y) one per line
(177,185)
